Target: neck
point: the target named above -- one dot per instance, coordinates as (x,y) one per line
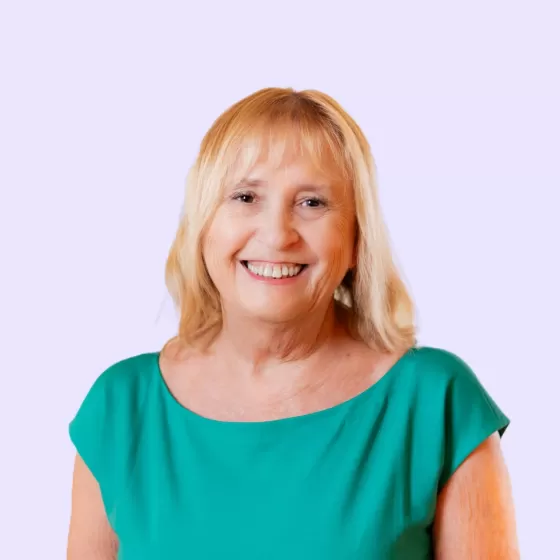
(259,349)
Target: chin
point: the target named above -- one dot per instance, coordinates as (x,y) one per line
(274,313)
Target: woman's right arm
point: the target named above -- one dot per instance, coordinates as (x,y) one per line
(90,536)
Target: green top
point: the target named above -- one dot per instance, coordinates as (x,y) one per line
(353,482)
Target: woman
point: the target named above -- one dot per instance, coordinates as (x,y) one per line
(294,416)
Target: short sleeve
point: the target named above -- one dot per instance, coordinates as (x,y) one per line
(89,426)
(471,416)
(106,426)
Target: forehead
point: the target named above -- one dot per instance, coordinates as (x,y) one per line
(294,169)
(289,155)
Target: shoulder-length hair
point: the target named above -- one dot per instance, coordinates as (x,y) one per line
(380,310)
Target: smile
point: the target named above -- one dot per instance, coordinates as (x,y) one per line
(274,270)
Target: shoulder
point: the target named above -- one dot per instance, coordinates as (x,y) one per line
(445,377)
(438,360)
(116,396)
(127,377)
(130,369)
(433,367)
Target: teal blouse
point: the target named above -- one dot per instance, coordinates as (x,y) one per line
(356,481)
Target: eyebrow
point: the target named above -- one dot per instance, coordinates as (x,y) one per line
(302,186)
(251,183)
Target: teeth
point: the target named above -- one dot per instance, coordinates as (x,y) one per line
(275,270)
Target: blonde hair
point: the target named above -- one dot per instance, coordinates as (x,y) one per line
(380,309)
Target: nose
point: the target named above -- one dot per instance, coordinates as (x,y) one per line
(277,229)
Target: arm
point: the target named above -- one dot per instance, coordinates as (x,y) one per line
(90,535)
(474,514)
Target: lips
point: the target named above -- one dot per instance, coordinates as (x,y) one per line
(274,270)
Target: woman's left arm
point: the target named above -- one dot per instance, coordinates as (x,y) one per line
(475,514)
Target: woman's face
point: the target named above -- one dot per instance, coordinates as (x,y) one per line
(281,241)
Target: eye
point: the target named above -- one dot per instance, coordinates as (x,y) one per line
(313,203)
(246,198)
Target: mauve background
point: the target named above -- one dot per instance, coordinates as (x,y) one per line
(103,106)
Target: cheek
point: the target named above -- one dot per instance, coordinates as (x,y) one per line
(211,253)
(337,243)
(225,237)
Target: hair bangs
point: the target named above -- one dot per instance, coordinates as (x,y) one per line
(281,134)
